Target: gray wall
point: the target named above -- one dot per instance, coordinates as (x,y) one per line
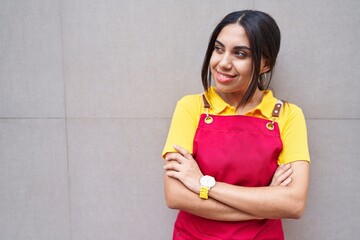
(87,90)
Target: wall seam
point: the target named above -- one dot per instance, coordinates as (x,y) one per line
(65,117)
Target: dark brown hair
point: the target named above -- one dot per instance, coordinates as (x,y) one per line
(264,37)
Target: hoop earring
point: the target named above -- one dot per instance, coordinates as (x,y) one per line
(262,78)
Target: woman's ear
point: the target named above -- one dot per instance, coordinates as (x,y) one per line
(265,66)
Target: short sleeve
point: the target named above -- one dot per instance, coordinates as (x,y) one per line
(183,124)
(294,136)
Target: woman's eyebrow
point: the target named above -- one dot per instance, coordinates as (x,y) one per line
(235,48)
(220,43)
(242,47)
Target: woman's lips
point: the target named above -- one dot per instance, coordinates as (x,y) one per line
(224,78)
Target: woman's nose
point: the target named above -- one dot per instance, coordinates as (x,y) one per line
(225,61)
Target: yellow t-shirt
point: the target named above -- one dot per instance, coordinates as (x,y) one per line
(291,123)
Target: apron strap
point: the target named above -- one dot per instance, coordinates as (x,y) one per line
(277,108)
(206,103)
(208,119)
(275,114)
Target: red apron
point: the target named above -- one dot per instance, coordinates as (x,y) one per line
(238,150)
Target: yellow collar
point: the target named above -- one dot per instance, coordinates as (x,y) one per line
(218,105)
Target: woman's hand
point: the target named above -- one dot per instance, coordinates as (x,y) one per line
(282,175)
(182,166)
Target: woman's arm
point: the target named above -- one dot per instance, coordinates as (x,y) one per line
(264,202)
(178,196)
(268,202)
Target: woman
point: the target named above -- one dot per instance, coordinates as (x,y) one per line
(241,160)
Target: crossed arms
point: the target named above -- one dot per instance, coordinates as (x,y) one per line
(285,197)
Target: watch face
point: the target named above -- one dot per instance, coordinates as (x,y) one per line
(207,181)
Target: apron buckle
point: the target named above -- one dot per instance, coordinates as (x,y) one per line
(208,119)
(270,125)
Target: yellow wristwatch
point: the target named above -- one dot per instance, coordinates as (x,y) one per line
(206,183)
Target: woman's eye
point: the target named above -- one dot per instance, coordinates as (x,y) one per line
(218,49)
(240,54)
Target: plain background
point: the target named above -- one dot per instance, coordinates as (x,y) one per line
(87,91)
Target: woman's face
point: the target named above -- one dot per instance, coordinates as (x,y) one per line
(231,61)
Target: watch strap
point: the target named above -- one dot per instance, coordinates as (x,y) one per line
(204,192)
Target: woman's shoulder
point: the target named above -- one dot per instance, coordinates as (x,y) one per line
(291,108)
(192,101)
(288,108)
(190,107)
(191,98)
(291,112)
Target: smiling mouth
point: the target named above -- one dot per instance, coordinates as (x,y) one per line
(222,77)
